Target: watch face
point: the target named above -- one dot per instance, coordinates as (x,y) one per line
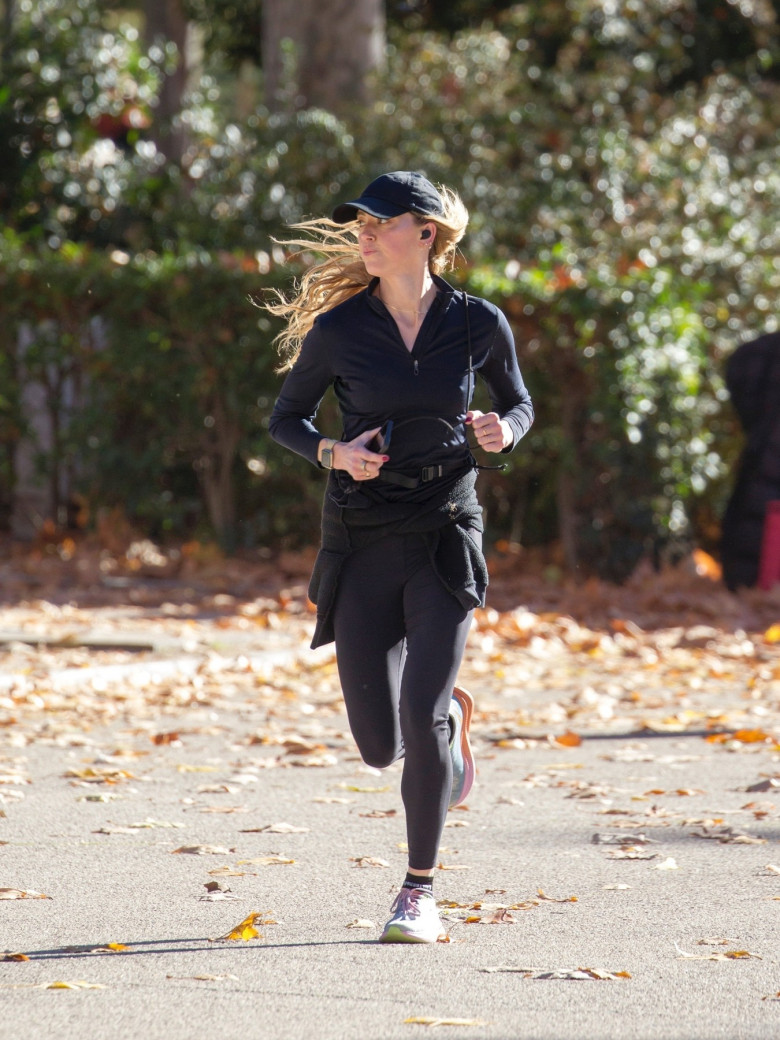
(327,458)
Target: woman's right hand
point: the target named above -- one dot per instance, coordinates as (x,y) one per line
(358,460)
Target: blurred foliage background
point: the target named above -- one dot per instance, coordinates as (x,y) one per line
(620,159)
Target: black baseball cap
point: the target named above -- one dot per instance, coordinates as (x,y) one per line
(391,195)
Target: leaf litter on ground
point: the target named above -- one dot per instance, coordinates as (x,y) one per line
(669,650)
(638,644)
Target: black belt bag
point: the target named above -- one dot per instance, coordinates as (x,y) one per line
(426,474)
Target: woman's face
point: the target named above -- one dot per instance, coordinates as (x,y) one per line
(392,246)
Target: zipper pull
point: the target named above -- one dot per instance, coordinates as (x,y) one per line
(416,367)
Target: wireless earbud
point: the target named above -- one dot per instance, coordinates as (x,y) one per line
(426,233)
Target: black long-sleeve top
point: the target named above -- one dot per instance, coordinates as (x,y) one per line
(356,347)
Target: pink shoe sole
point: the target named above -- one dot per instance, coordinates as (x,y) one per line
(466,702)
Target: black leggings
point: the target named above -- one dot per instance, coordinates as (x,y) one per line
(400,638)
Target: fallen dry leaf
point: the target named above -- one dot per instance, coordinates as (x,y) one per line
(621,839)
(129,828)
(500,916)
(245,930)
(361,922)
(100,776)
(205,978)
(265,861)
(364,790)
(605,976)
(760,810)
(203,850)
(670,863)
(576,974)
(218,895)
(18,893)
(369,861)
(741,736)
(106,948)
(567,739)
(630,852)
(728,955)
(728,836)
(151,824)
(14,957)
(552,899)
(276,828)
(80,984)
(426,1021)
(224,810)
(171,739)
(509,969)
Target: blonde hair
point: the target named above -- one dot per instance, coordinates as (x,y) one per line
(343,274)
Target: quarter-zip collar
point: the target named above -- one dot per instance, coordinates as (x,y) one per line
(438,308)
(444,295)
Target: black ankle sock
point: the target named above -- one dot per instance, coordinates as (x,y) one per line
(417,881)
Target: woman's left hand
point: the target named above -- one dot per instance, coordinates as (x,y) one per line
(492,432)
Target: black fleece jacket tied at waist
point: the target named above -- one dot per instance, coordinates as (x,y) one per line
(445,521)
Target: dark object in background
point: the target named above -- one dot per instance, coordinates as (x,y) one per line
(753,380)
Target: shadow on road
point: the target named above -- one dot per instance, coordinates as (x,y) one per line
(190,945)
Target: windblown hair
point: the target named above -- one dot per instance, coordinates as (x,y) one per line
(342,273)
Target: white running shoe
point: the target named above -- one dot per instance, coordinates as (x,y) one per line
(415,919)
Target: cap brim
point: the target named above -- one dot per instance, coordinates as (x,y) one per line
(348,211)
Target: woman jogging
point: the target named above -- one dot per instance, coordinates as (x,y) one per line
(400,570)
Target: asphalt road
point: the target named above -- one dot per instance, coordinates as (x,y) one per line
(626,887)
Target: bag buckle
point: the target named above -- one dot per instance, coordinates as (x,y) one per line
(431,473)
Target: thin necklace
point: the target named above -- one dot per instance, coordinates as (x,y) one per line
(407,310)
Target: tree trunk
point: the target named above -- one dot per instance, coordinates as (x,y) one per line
(166,19)
(214,468)
(7,13)
(336,45)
